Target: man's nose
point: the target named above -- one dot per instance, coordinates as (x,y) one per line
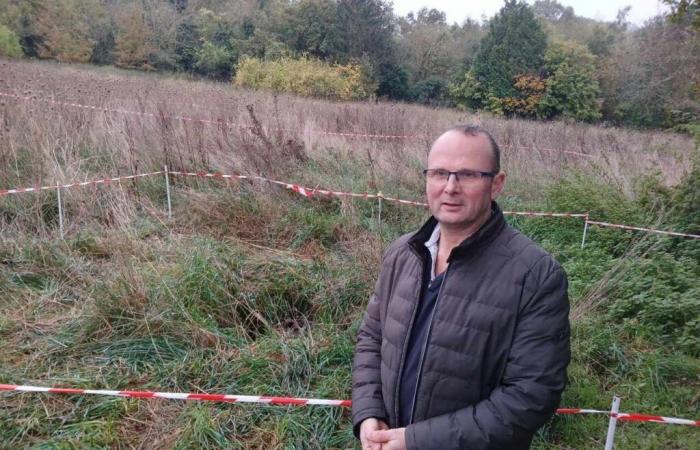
(452,183)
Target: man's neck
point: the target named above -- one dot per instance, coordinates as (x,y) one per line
(451,237)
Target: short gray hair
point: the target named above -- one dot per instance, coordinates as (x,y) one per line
(475,130)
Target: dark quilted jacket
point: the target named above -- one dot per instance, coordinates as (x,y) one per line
(495,363)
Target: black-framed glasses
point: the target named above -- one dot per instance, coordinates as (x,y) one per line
(461,176)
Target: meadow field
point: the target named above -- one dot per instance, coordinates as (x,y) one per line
(251,288)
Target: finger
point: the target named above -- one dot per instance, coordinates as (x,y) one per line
(369,445)
(380,435)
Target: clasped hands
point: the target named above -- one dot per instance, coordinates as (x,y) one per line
(376,435)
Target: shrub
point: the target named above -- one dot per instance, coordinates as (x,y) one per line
(9,43)
(431,91)
(214,61)
(305,76)
(572,90)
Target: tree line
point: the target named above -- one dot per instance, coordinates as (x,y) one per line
(537,61)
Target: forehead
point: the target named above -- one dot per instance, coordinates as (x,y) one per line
(455,150)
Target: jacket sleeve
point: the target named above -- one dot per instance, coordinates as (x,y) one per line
(533,380)
(367,399)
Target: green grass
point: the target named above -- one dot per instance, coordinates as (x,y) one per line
(255,292)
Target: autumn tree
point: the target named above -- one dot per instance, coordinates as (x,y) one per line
(65,29)
(133,47)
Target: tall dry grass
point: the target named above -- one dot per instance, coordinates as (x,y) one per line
(254,132)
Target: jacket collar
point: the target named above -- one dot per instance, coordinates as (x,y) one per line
(485,235)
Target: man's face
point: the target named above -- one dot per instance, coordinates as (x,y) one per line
(461,204)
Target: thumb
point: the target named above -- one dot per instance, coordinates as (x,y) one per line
(381,435)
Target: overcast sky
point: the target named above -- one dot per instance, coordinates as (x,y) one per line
(458,10)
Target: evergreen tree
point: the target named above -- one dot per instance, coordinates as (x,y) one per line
(366,29)
(514,45)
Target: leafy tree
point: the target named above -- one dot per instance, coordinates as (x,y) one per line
(366,28)
(133,48)
(214,61)
(394,82)
(572,90)
(514,44)
(468,92)
(9,43)
(685,11)
(188,42)
(64,26)
(654,79)
(311,27)
(552,10)
(431,91)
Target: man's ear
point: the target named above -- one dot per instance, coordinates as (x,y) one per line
(499,182)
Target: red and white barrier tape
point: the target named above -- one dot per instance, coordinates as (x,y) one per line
(648,230)
(270,400)
(631,417)
(80,183)
(544,214)
(311,192)
(351,135)
(373,136)
(183,396)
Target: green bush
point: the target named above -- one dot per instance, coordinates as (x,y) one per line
(305,76)
(572,90)
(214,61)
(9,43)
(660,294)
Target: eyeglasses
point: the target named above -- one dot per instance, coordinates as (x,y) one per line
(464,176)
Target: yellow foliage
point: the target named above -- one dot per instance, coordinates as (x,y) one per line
(530,88)
(132,43)
(304,76)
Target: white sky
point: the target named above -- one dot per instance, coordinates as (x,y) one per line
(458,10)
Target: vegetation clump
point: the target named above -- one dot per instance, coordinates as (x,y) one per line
(304,76)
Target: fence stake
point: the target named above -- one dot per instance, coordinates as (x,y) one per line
(612,424)
(60,211)
(380,196)
(585,231)
(167,191)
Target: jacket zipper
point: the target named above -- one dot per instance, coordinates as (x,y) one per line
(425,344)
(405,344)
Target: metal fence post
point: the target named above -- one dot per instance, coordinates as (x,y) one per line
(585,231)
(60,211)
(167,191)
(379,218)
(612,424)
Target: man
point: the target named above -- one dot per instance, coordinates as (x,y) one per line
(465,341)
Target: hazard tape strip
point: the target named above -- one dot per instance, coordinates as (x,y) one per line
(80,183)
(649,230)
(311,192)
(544,214)
(296,401)
(183,396)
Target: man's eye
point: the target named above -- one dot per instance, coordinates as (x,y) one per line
(441,173)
